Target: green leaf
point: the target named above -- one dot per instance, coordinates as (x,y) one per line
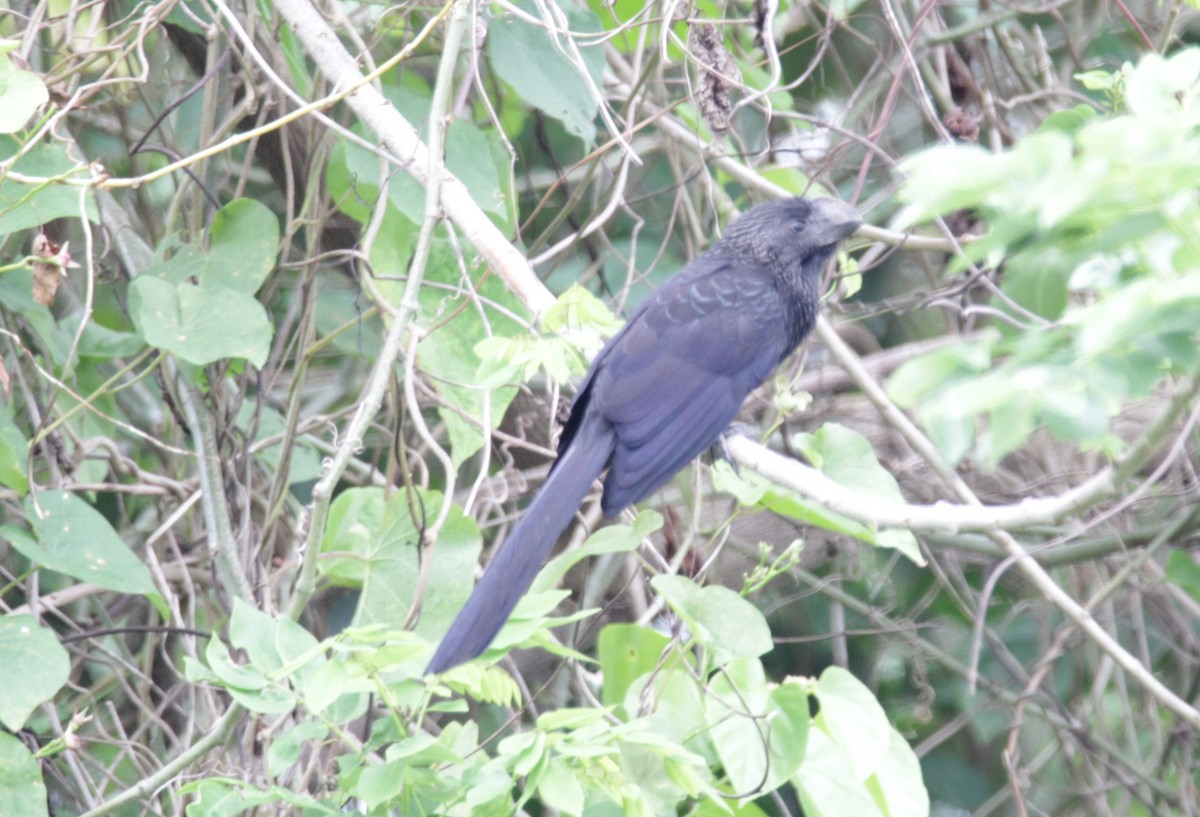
(531,617)
(854,720)
(455,325)
(1155,86)
(897,785)
(485,683)
(1141,317)
(1009,426)
(16,293)
(719,807)
(222,797)
(271,643)
(560,789)
(672,704)
(199,304)
(388,592)
(330,681)
(1097,80)
(243,243)
(1183,571)
(1093,218)
(284,751)
(725,623)
(952,435)
(736,708)
(504,361)
(103,343)
(247,684)
(626,652)
(748,487)
(14,454)
(380,783)
(23,206)
(756,491)
(200,324)
(458,313)
(548,69)
(355,516)
(646,760)
(524,749)
(609,539)
(575,314)
(827,783)
(952,177)
(841,9)
(229,672)
(814,513)
(791,179)
(916,378)
(847,458)
(73,538)
(787,724)
(21,92)
(577,311)
(1038,284)
(1069,120)
(43,663)
(22,790)
(569,718)
(372,544)
(476,157)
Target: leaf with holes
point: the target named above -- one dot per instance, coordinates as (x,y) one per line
(73,538)
(44,666)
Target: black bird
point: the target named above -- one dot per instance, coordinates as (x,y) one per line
(666,386)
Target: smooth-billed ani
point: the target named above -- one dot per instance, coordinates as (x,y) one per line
(663,389)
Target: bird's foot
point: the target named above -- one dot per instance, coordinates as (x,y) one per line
(720,451)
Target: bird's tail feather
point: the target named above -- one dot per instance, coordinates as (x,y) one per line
(514,567)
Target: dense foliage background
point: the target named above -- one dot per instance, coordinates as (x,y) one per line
(274,372)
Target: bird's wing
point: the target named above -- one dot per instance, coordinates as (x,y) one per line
(681,368)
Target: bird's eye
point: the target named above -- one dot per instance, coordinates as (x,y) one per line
(798,226)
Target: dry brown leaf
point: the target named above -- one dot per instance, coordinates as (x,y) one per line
(47,274)
(717,69)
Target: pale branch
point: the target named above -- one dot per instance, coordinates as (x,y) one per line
(404,142)
(436,179)
(438,117)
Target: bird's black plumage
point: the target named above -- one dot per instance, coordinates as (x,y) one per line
(662,390)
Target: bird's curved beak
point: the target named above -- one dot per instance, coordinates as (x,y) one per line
(833,220)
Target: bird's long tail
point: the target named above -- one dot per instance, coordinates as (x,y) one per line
(514,567)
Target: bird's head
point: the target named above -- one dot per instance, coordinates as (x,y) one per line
(787,233)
